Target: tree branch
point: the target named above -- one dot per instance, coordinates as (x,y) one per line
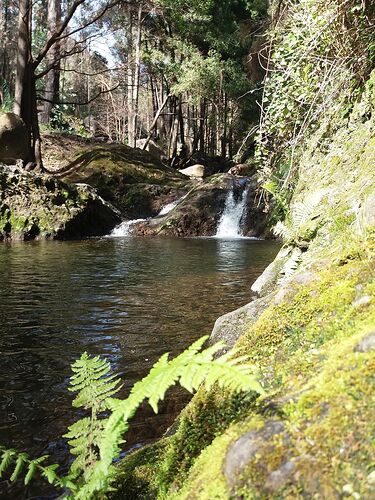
(79,103)
(53,39)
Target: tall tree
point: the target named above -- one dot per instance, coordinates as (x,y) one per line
(53,61)
(25,92)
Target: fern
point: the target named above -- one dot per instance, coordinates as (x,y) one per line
(23,463)
(301,214)
(272,187)
(96,440)
(95,387)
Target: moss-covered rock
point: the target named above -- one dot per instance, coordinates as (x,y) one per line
(199,212)
(35,206)
(131,179)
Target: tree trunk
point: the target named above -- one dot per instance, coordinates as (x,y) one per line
(131,137)
(25,82)
(134,91)
(202,120)
(52,79)
(4,13)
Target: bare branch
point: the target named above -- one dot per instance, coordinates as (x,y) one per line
(84,103)
(53,39)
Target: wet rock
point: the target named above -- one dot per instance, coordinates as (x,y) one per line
(231,326)
(14,140)
(39,206)
(367,344)
(268,279)
(195,171)
(246,448)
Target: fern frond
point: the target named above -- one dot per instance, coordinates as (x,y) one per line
(191,369)
(93,382)
(96,442)
(22,460)
(282,231)
(32,466)
(6,459)
(302,212)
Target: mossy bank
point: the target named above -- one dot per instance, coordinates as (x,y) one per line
(312,336)
(36,206)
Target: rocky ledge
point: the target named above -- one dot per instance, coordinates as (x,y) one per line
(37,206)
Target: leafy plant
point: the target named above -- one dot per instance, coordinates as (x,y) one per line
(272,187)
(319,54)
(96,440)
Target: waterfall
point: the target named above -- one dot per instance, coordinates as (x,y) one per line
(124,229)
(168,208)
(230,221)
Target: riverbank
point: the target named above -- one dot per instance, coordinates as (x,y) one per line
(311,334)
(91,189)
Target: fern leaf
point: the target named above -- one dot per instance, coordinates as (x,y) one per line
(20,463)
(50,474)
(282,231)
(93,383)
(6,459)
(30,472)
(302,212)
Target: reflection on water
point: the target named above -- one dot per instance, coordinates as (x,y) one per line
(127,299)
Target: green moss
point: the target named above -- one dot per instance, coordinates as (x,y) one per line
(300,346)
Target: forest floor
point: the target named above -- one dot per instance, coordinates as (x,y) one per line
(60,149)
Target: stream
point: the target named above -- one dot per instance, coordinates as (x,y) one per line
(128,299)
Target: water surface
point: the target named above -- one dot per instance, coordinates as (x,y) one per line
(128,299)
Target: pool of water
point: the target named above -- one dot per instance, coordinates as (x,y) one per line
(128,299)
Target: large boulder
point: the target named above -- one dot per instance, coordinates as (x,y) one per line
(195,171)
(130,179)
(14,140)
(39,207)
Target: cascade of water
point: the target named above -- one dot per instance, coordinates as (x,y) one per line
(124,229)
(230,221)
(168,208)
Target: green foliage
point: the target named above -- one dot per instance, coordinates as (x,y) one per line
(320,54)
(7,104)
(272,187)
(96,440)
(58,119)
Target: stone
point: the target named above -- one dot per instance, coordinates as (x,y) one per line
(36,206)
(367,344)
(267,281)
(279,478)
(242,451)
(229,327)
(14,139)
(368,210)
(242,169)
(371,478)
(154,149)
(362,301)
(195,171)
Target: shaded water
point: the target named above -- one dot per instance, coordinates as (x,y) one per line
(127,299)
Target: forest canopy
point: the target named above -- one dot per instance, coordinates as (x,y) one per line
(174,71)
